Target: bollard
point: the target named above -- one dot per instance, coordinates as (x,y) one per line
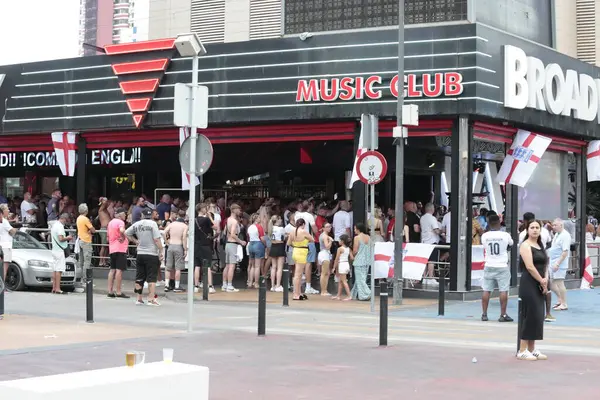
(286,285)
(519,324)
(205,280)
(262,306)
(441,293)
(383,313)
(89,296)
(2,290)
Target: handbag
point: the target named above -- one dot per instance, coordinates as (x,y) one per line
(66,250)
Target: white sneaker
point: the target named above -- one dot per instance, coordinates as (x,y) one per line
(526,356)
(312,290)
(211,289)
(153,303)
(231,289)
(223,288)
(145,285)
(279,289)
(160,283)
(139,303)
(201,285)
(196,289)
(272,288)
(537,354)
(430,282)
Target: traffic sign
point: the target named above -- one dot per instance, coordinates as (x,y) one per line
(371,167)
(197,96)
(204,155)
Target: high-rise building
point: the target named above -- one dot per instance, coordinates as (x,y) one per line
(103,22)
(577,28)
(240,20)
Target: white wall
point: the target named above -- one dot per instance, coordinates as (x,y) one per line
(168,18)
(237,20)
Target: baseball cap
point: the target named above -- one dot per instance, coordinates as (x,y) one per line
(147,213)
(121,210)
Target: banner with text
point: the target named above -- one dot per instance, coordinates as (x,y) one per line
(30,159)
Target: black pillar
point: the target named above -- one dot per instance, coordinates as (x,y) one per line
(273,182)
(512,227)
(581,208)
(359,190)
(81,165)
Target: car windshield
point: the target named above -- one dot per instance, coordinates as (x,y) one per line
(23,240)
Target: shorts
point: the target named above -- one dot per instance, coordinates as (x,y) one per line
(256,250)
(7,254)
(560,274)
(231,253)
(203,256)
(60,262)
(277,250)
(146,269)
(103,238)
(495,275)
(175,258)
(118,261)
(324,255)
(300,255)
(343,268)
(312,253)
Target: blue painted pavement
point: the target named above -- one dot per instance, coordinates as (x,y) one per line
(584,310)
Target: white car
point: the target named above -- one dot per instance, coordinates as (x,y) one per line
(31,266)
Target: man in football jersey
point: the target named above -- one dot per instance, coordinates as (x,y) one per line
(496,270)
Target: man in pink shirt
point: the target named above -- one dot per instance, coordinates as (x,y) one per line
(117,248)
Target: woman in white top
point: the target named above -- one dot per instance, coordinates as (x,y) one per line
(277,253)
(324,257)
(256,250)
(342,267)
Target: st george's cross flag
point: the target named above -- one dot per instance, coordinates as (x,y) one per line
(362,148)
(588,274)
(521,159)
(593,161)
(65,150)
(184,133)
(414,261)
(477,264)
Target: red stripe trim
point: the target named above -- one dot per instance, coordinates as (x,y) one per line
(415,259)
(382,257)
(426,128)
(477,265)
(139,105)
(137,119)
(593,154)
(139,67)
(139,47)
(139,86)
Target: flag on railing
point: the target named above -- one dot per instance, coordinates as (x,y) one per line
(414,261)
(521,159)
(65,151)
(588,274)
(184,133)
(593,161)
(477,264)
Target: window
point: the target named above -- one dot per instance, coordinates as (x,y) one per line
(329,15)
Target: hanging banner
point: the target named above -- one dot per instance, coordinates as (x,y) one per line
(65,151)
(184,133)
(477,265)
(588,273)
(523,156)
(593,161)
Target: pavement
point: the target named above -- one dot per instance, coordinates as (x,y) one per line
(317,353)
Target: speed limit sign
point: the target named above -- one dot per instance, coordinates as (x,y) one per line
(371,167)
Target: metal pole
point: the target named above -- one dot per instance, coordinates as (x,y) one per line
(372,223)
(192,208)
(262,306)
(89,295)
(519,324)
(205,280)
(383,314)
(441,291)
(398,209)
(286,284)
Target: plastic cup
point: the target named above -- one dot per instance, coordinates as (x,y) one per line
(168,355)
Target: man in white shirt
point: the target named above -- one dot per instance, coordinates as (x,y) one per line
(430,234)
(496,271)
(342,224)
(6,237)
(558,255)
(305,210)
(26,205)
(60,241)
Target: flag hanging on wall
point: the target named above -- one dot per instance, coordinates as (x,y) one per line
(593,161)
(523,156)
(184,133)
(65,151)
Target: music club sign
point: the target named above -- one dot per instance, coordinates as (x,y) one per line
(350,88)
(529,83)
(48,158)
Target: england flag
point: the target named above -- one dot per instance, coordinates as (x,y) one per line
(184,133)
(588,273)
(65,151)
(477,265)
(361,149)
(521,159)
(593,161)
(414,260)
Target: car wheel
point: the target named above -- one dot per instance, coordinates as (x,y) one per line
(68,289)
(14,278)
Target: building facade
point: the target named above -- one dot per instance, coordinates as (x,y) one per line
(577,29)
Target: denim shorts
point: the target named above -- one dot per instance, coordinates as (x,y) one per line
(492,275)
(256,250)
(312,253)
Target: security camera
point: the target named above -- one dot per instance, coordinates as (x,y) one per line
(305,35)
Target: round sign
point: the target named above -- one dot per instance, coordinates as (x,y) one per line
(371,167)
(204,155)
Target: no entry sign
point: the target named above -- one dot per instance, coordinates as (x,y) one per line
(371,167)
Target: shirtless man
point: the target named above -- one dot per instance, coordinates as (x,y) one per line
(231,248)
(104,217)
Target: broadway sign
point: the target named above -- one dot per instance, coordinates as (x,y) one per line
(361,88)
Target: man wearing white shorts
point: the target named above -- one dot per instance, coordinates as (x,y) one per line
(496,271)
(6,237)
(60,242)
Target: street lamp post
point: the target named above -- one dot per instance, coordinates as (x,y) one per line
(398,210)
(189,45)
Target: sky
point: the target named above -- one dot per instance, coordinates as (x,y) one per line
(38,30)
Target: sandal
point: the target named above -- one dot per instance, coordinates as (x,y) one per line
(304,297)
(299,298)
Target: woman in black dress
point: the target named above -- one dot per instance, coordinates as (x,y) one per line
(532,291)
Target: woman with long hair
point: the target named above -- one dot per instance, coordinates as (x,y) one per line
(277,253)
(299,240)
(378,225)
(324,257)
(256,250)
(532,291)
(362,261)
